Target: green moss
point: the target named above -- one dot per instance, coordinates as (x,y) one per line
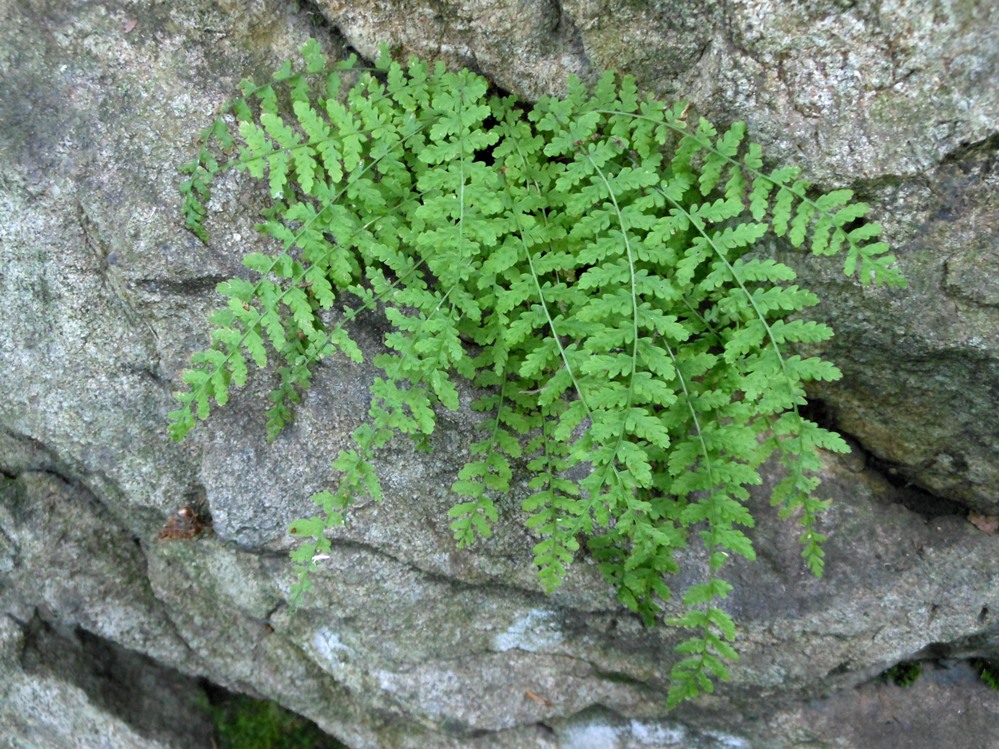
(242,722)
(988,672)
(904,673)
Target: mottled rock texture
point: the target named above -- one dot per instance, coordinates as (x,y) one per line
(67,688)
(407,642)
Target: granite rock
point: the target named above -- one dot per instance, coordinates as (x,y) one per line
(405,641)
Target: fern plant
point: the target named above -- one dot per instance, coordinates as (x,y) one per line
(593,265)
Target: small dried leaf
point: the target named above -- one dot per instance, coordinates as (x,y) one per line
(183,525)
(984,523)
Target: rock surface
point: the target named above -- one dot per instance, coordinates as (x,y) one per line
(407,642)
(70,689)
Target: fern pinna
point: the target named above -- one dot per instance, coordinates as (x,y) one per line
(592,264)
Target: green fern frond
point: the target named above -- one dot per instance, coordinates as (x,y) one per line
(593,265)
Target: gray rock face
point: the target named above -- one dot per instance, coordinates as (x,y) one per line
(407,642)
(70,689)
(929,407)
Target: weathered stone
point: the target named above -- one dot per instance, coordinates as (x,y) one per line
(67,688)
(405,641)
(526,47)
(927,405)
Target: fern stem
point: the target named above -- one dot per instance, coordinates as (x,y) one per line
(761,316)
(634,311)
